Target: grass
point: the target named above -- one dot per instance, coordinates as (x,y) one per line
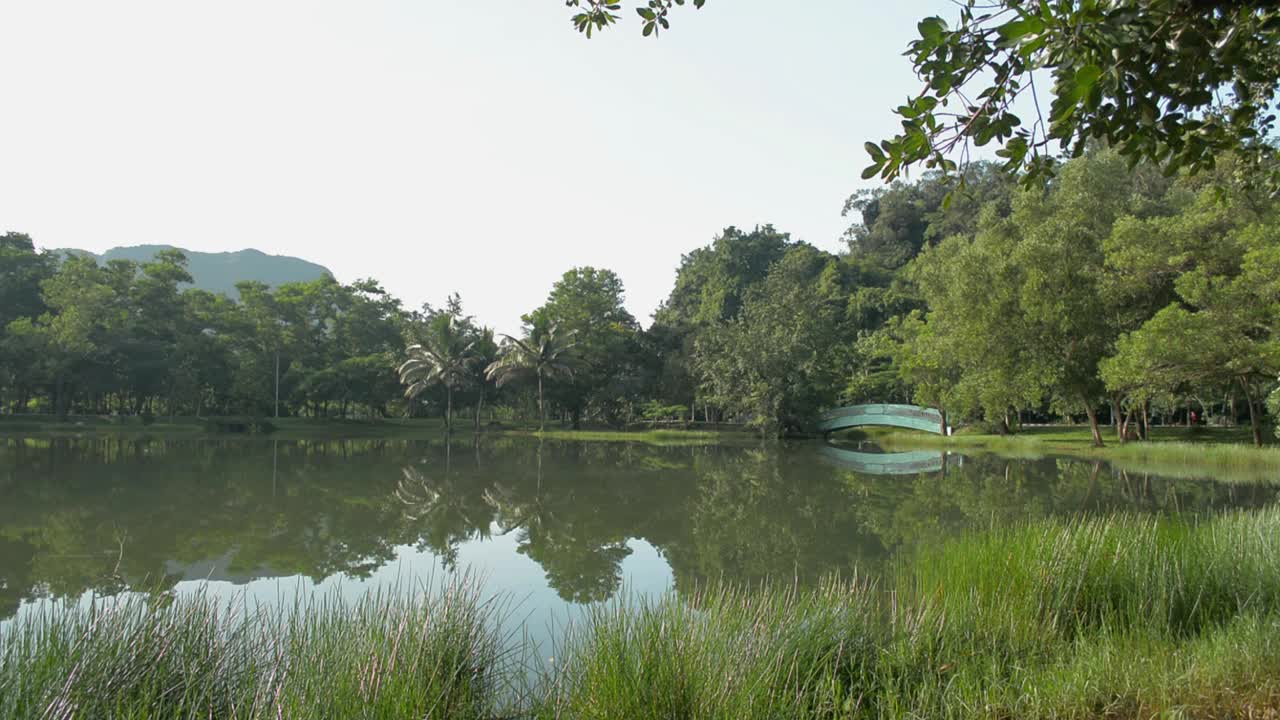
(1223,453)
(435,655)
(1125,617)
(1104,618)
(307,428)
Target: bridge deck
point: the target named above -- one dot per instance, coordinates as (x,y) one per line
(904,416)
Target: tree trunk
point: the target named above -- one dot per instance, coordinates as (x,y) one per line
(1254,419)
(1146,419)
(479,408)
(1093,423)
(1115,415)
(448,408)
(60,403)
(542,407)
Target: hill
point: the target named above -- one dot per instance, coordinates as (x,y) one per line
(219,272)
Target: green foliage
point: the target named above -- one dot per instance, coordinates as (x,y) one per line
(785,357)
(446,357)
(1115,285)
(586,303)
(128,339)
(1221,329)
(1273,404)
(600,14)
(1162,81)
(1168,82)
(545,352)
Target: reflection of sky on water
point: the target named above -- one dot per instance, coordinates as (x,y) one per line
(532,606)
(545,525)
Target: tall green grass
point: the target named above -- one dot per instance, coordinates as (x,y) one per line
(432,655)
(1123,617)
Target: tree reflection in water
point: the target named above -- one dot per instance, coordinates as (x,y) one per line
(103,515)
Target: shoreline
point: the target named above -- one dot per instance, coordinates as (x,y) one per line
(1023,621)
(1172,451)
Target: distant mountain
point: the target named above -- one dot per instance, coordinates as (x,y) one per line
(219,272)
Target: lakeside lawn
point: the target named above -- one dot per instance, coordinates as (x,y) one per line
(1224,453)
(1122,617)
(306,428)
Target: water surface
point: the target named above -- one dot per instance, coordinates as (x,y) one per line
(554,525)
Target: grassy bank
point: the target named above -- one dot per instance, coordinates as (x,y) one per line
(1224,453)
(305,428)
(1105,618)
(436,656)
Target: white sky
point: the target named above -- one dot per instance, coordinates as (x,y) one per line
(478,146)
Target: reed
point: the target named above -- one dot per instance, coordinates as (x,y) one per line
(433,654)
(1119,617)
(1124,617)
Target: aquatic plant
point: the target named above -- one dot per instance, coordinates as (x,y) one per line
(436,653)
(1123,616)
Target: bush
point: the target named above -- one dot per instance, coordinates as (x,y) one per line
(1273,404)
(239,426)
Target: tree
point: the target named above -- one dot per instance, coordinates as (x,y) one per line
(786,356)
(898,220)
(545,352)
(83,305)
(485,350)
(1224,330)
(22,270)
(1273,404)
(588,303)
(710,288)
(1173,82)
(445,357)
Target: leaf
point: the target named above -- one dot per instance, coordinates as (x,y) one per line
(931,28)
(1013,31)
(1085,79)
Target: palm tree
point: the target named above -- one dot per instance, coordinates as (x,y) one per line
(485,352)
(446,358)
(545,353)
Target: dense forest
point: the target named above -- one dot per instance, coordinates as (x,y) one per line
(1108,294)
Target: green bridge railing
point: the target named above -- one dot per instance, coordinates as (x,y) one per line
(904,416)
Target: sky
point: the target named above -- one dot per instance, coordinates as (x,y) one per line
(473,146)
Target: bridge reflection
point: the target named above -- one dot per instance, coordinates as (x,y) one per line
(899,463)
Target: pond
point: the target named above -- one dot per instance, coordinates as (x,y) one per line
(549,525)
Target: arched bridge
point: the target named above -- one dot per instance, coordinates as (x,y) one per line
(903,416)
